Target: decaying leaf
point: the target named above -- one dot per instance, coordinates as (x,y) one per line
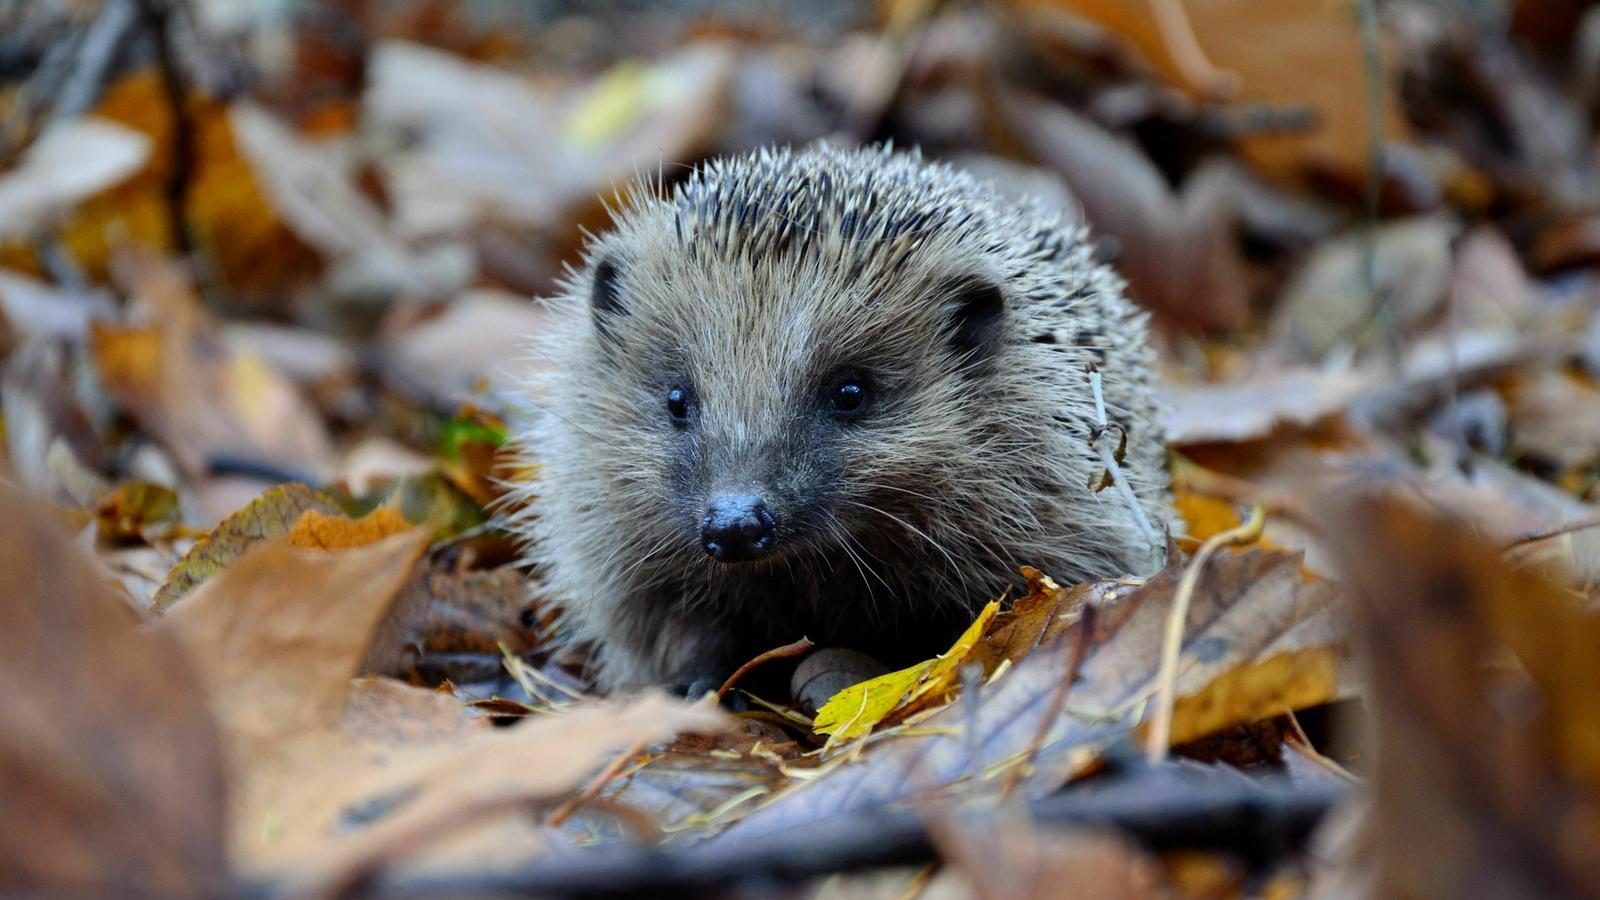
(128,510)
(482,335)
(225,212)
(1555,418)
(1176,249)
(1261,639)
(278,637)
(456,626)
(270,515)
(324,207)
(1036,619)
(1330,305)
(280,631)
(1268,46)
(180,379)
(1484,699)
(111,770)
(1016,859)
(1249,409)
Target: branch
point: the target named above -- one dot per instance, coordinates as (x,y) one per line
(1158,806)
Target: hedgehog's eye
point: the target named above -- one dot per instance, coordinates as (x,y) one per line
(848,397)
(678,405)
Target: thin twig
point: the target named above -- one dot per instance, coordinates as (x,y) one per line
(1109,460)
(612,769)
(1160,734)
(787,650)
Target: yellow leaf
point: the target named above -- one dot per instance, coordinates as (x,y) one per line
(127,511)
(250,247)
(857,709)
(1293,679)
(1205,516)
(611,106)
(319,530)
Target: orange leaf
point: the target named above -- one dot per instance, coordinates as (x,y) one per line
(319,530)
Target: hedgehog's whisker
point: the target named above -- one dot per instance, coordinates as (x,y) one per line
(634,566)
(844,538)
(916,531)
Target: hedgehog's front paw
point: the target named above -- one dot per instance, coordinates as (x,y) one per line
(696,684)
(692,685)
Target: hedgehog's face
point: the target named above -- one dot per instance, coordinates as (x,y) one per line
(770,420)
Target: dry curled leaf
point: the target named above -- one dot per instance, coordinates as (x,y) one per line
(180,380)
(1269,46)
(1261,639)
(270,515)
(1484,694)
(278,637)
(111,770)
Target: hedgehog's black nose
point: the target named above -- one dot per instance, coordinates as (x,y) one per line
(738,527)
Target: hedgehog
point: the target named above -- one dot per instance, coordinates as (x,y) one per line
(835,393)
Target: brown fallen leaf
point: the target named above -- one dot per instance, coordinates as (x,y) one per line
(33,308)
(1488,285)
(1269,46)
(179,379)
(455,626)
(270,515)
(1252,408)
(323,787)
(279,633)
(1177,250)
(1037,618)
(1007,859)
(1261,639)
(317,199)
(481,334)
(553,148)
(69,162)
(111,769)
(704,781)
(46,424)
(1487,778)
(447,803)
(1555,418)
(1432,369)
(251,252)
(1328,304)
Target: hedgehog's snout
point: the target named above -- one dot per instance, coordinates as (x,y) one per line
(738,527)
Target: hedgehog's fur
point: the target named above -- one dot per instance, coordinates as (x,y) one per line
(753,281)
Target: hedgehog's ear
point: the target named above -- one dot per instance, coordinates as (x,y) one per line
(976,309)
(605,297)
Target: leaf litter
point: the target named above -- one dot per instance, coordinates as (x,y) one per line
(257,352)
